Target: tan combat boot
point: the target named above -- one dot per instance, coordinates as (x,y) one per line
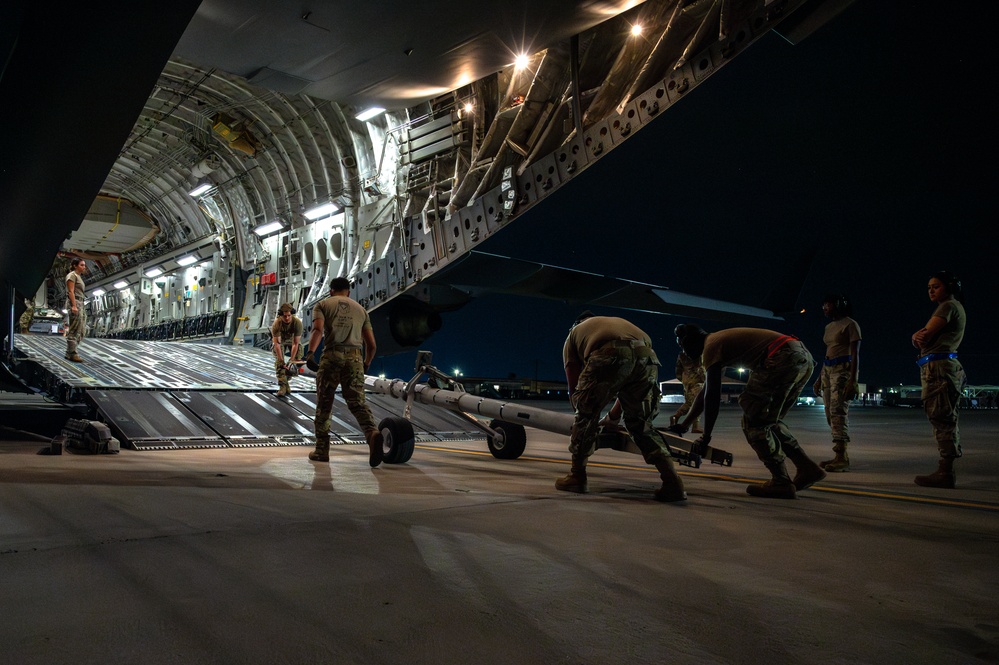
(943,477)
(376,447)
(672,487)
(321,453)
(576,480)
(840,462)
(778,487)
(807,472)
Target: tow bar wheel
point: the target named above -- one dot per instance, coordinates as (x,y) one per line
(513,443)
(399,440)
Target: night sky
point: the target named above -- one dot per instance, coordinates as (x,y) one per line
(871,140)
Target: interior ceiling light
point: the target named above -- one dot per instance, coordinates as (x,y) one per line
(521,61)
(268,227)
(97,293)
(153,272)
(469,107)
(636,30)
(203,186)
(319,212)
(187,260)
(370,113)
(122,284)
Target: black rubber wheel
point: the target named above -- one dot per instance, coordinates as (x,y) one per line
(514,440)
(399,440)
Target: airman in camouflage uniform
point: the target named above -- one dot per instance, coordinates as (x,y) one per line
(77,313)
(286,333)
(691,374)
(837,381)
(779,366)
(29,313)
(607,357)
(941,374)
(344,327)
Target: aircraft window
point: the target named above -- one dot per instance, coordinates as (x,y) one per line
(631,113)
(703,64)
(603,131)
(660,92)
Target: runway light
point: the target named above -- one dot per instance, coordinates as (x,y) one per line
(370,113)
(522,61)
(636,30)
(187,260)
(325,210)
(122,284)
(153,272)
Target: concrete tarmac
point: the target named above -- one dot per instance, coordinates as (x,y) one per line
(261,556)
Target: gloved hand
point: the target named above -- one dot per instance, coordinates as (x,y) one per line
(701,445)
(311,363)
(851,391)
(817,388)
(677,429)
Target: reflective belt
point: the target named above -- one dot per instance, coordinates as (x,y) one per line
(930,357)
(829,362)
(778,343)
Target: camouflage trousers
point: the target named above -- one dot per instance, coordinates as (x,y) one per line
(280,367)
(343,368)
(770,393)
(835,383)
(943,382)
(632,376)
(25,321)
(690,391)
(75,329)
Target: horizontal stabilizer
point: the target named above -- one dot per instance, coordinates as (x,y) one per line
(480,273)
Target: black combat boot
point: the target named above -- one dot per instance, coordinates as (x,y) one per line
(576,480)
(672,487)
(807,472)
(943,477)
(778,487)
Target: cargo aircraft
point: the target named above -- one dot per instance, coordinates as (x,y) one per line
(212,160)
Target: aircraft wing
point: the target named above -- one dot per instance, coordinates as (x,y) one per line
(478,273)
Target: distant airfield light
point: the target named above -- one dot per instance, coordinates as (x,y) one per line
(522,61)
(370,113)
(187,260)
(457,372)
(319,212)
(122,284)
(636,30)
(802,311)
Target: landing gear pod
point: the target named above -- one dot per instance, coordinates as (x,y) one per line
(399,440)
(511,442)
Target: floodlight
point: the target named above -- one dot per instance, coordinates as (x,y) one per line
(269,227)
(369,113)
(203,186)
(321,211)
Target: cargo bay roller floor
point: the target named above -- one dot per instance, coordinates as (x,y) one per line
(171,395)
(257,555)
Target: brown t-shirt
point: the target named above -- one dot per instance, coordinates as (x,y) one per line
(738,346)
(592,333)
(343,321)
(949,337)
(287,332)
(839,335)
(78,289)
